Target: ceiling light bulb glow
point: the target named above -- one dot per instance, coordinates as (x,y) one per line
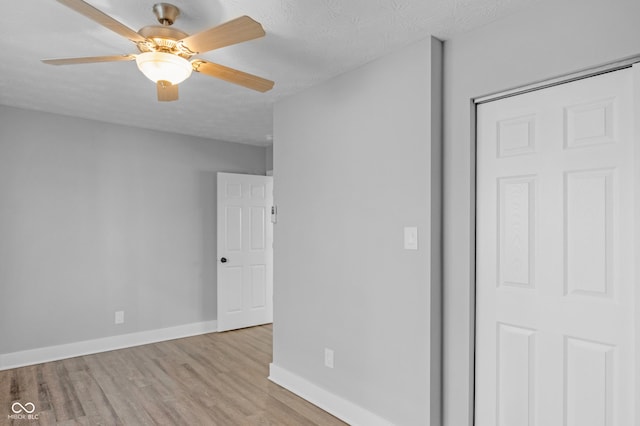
(157,66)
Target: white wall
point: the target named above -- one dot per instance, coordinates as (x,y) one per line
(96,217)
(548,39)
(355,160)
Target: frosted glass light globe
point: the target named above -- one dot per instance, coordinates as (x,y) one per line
(157,66)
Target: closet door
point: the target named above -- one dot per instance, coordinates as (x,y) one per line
(555,269)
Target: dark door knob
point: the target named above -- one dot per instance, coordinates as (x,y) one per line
(223,260)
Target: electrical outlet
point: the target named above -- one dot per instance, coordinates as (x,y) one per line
(328,357)
(119,317)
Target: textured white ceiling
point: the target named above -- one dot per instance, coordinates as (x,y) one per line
(307,42)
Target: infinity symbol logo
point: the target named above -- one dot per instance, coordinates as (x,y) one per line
(22,408)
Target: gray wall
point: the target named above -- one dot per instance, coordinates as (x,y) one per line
(353,166)
(269,158)
(548,39)
(96,218)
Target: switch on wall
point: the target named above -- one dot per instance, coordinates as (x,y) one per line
(411,238)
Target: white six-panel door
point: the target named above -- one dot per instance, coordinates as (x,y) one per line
(555,286)
(245,250)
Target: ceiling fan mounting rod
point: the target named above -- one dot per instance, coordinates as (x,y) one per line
(166,13)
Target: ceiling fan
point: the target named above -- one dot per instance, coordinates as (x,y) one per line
(166,52)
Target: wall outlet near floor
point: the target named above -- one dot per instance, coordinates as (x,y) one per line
(119,317)
(328,357)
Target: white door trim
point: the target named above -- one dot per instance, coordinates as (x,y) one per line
(566,78)
(636,95)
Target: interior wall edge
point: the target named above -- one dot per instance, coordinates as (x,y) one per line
(436,140)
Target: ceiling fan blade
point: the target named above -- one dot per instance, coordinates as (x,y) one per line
(232,76)
(89,60)
(166,91)
(102,18)
(232,32)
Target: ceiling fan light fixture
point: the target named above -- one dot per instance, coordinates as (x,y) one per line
(162,66)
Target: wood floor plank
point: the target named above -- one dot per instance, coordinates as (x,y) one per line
(211,379)
(95,403)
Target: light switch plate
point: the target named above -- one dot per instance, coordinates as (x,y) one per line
(328,357)
(411,238)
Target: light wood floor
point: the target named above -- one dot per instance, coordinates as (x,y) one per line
(213,379)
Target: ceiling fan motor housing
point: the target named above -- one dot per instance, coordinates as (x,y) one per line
(163,39)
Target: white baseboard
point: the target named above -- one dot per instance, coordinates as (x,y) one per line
(87,347)
(341,408)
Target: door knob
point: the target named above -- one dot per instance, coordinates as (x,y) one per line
(223,260)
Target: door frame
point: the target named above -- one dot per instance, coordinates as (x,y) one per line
(539,85)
